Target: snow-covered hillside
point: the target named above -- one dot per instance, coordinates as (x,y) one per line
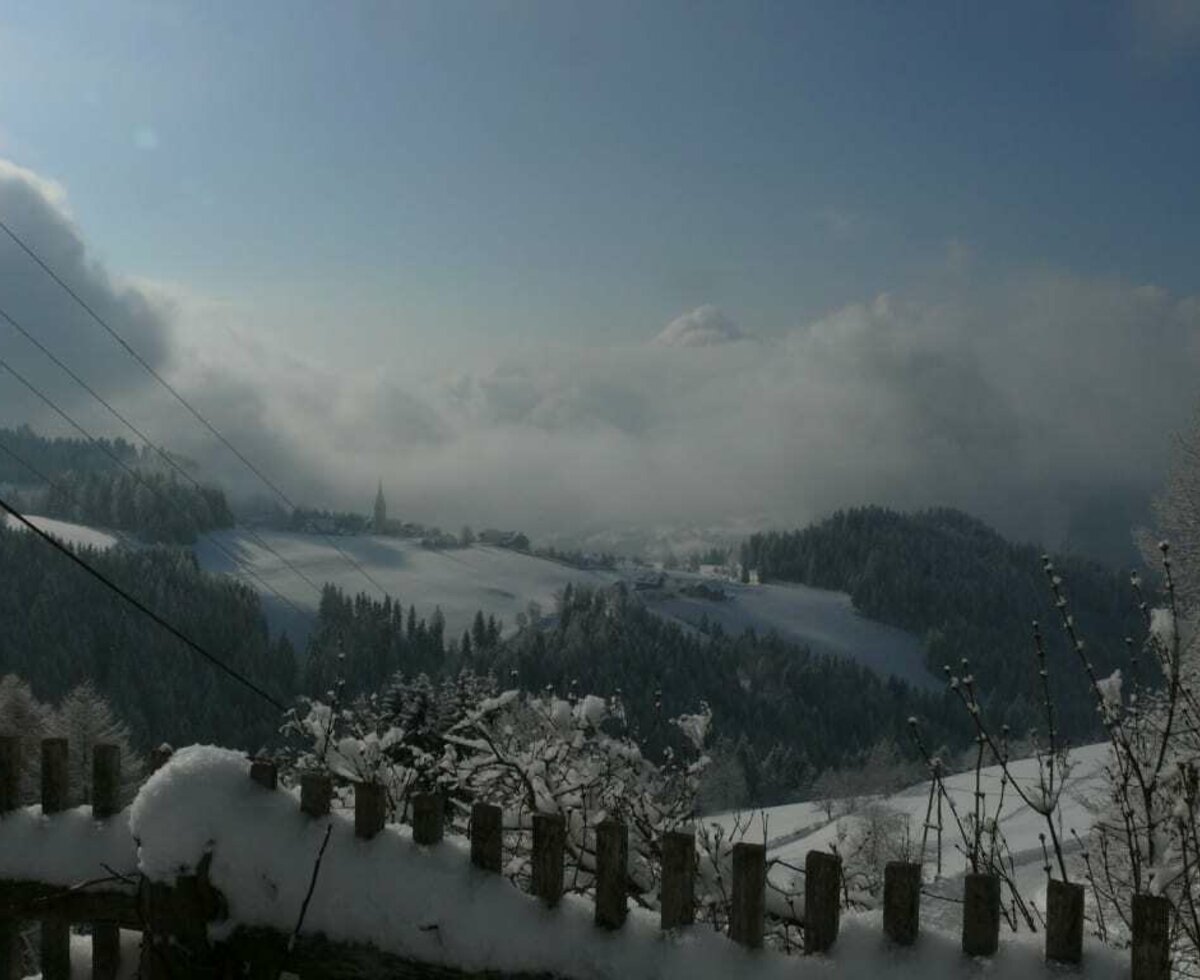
(460,581)
(503,582)
(793,830)
(76,534)
(826,621)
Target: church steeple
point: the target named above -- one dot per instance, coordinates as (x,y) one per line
(380,511)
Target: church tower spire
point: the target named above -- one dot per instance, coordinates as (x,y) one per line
(380,511)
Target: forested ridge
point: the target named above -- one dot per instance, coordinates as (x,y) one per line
(109,484)
(967,593)
(59,628)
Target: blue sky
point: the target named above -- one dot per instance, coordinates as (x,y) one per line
(585,172)
(935,252)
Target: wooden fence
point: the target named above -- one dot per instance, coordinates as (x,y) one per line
(174,919)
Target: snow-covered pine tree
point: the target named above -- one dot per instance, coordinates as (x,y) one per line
(85,720)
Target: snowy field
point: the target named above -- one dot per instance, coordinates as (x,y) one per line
(826,621)
(795,829)
(76,534)
(461,581)
(502,582)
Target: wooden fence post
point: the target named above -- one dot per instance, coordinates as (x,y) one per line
(822,900)
(487,837)
(10,773)
(106,802)
(981,914)
(159,757)
(316,793)
(10,949)
(428,818)
(677,896)
(106,950)
(1064,922)
(612,868)
(54,775)
(549,842)
(10,799)
(902,901)
(106,780)
(263,772)
(749,894)
(370,809)
(1151,952)
(56,949)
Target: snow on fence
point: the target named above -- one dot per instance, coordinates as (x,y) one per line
(181,918)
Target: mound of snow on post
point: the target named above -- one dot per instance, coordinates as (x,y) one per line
(430,905)
(65,848)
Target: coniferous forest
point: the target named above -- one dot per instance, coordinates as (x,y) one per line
(967,593)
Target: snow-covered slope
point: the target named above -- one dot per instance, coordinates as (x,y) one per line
(825,621)
(460,581)
(502,582)
(76,534)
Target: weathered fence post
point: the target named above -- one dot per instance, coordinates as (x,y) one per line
(106,781)
(1151,952)
(263,772)
(106,802)
(56,949)
(10,773)
(612,867)
(487,837)
(316,793)
(10,949)
(549,842)
(370,809)
(10,799)
(428,817)
(1064,922)
(54,775)
(749,894)
(822,900)
(981,914)
(106,950)
(677,897)
(160,756)
(902,901)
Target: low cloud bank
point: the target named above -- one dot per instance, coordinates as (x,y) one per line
(1029,401)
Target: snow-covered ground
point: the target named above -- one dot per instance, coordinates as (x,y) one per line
(460,581)
(502,582)
(826,621)
(76,534)
(428,904)
(795,829)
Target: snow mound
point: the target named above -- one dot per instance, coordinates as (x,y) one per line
(64,849)
(430,905)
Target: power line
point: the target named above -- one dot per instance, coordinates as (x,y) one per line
(178,397)
(164,456)
(132,473)
(110,584)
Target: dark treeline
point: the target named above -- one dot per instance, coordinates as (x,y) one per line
(155,506)
(967,592)
(55,456)
(90,487)
(364,642)
(59,628)
(786,714)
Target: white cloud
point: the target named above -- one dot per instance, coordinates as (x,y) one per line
(1020,400)
(702,327)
